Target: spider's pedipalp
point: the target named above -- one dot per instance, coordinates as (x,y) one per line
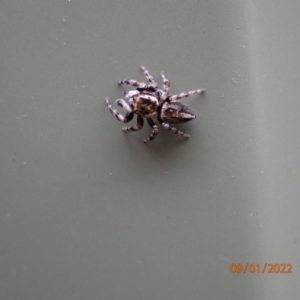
(129,94)
(185,95)
(149,77)
(154,131)
(139,126)
(125,119)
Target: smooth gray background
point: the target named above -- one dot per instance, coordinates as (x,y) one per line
(88,212)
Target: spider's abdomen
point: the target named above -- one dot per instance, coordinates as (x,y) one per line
(176,112)
(145,105)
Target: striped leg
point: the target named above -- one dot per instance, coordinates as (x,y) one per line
(154,131)
(149,76)
(120,117)
(175,130)
(123,104)
(184,95)
(133,82)
(139,126)
(166,87)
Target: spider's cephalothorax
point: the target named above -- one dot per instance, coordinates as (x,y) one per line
(147,101)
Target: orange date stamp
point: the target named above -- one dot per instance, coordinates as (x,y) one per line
(265,268)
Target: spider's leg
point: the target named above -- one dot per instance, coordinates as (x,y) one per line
(149,76)
(140,124)
(125,119)
(154,132)
(174,130)
(166,87)
(184,95)
(123,104)
(133,82)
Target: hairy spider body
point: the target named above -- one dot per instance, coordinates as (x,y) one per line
(144,105)
(174,112)
(147,101)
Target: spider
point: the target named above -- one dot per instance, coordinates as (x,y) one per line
(147,101)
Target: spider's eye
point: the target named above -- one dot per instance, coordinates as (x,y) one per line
(171,110)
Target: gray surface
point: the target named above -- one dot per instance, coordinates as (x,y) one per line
(88,212)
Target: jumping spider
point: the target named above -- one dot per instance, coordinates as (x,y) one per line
(147,101)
